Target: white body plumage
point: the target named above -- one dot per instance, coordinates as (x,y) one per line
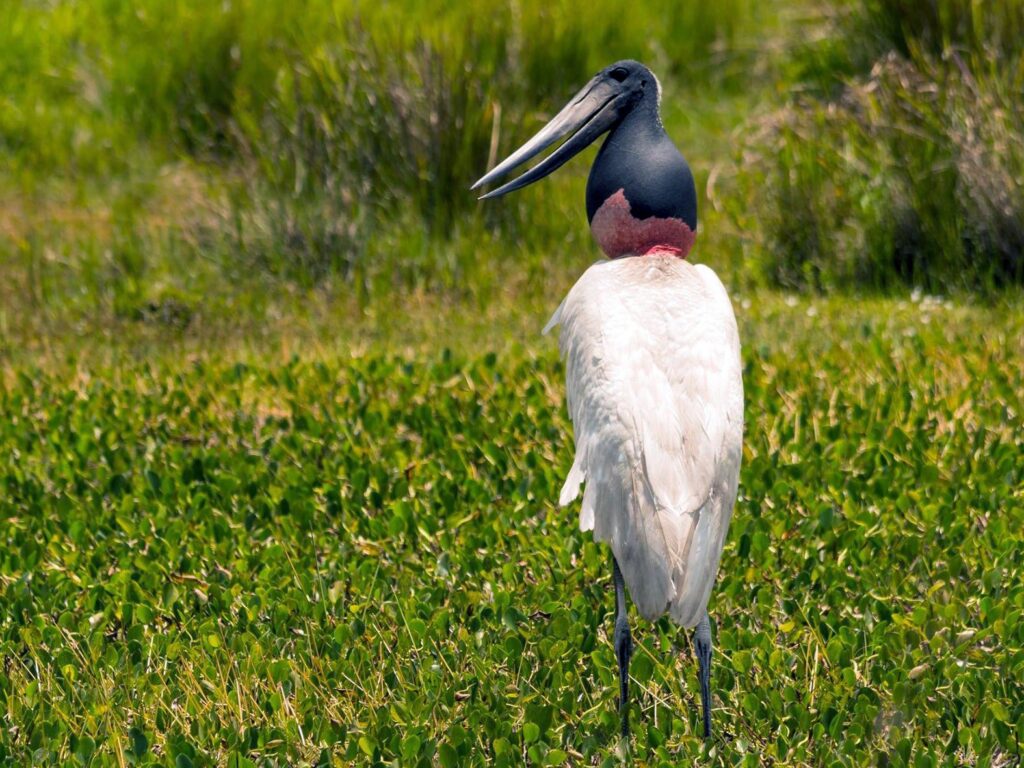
(655,393)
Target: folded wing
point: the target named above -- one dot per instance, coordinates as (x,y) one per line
(653,376)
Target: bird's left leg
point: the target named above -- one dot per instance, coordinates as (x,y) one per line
(702,646)
(623,644)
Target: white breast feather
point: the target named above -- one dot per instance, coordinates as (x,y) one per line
(653,378)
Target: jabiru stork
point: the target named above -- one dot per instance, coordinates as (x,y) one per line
(652,357)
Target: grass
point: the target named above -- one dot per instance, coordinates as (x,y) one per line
(219,254)
(256,560)
(899,162)
(938,26)
(912,177)
(331,163)
(330,98)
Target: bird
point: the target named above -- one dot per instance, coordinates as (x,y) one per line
(652,364)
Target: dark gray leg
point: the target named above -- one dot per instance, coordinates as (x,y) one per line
(702,647)
(623,645)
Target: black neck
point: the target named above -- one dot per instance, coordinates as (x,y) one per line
(639,158)
(641,123)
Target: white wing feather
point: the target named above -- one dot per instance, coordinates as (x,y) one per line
(653,378)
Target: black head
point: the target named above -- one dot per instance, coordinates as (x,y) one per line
(636,79)
(640,194)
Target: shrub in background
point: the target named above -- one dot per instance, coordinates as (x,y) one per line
(911,175)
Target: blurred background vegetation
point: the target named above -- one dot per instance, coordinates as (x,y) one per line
(183,164)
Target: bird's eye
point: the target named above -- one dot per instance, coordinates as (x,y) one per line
(618,74)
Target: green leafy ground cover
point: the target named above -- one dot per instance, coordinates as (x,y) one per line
(329,559)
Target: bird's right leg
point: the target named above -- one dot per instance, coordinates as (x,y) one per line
(623,644)
(702,645)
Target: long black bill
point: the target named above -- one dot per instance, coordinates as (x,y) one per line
(590,113)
